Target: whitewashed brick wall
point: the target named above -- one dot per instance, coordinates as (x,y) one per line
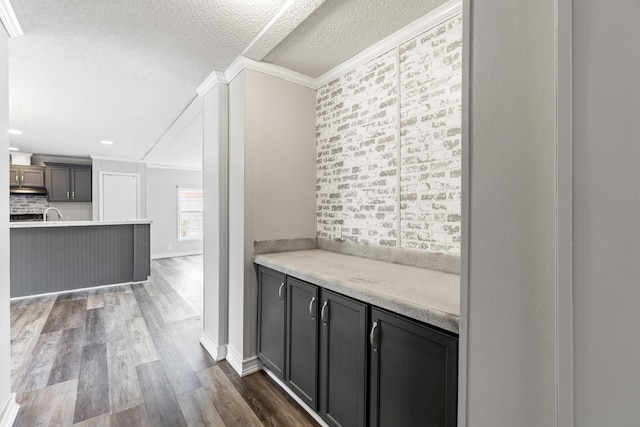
(430,129)
(22,204)
(360,158)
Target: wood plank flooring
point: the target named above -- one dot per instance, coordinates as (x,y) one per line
(130,356)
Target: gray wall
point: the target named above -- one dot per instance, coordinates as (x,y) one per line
(606,188)
(272,162)
(511,196)
(162,209)
(5,338)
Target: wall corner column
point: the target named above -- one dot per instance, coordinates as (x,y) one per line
(216,225)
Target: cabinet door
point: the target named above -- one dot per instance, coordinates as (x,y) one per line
(302,341)
(58,184)
(32,177)
(414,370)
(272,295)
(343,360)
(14,177)
(81,184)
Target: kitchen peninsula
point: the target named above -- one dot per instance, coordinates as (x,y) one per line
(65,255)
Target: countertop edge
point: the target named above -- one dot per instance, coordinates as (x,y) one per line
(447,321)
(53,224)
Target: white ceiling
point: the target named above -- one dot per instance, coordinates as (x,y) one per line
(121,70)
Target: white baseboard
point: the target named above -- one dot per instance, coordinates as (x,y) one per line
(242,366)
(295,397)
(216,351)
(9,412)
(175,254)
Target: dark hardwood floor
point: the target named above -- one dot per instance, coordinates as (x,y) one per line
(130,356)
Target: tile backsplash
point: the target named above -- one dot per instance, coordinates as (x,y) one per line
(27,204)
(389,146)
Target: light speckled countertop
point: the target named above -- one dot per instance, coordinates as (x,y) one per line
(40,224)
(429,296)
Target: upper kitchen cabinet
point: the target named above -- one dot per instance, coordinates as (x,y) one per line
(25,177)
(69,183)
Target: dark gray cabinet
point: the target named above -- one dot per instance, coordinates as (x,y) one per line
(80,184)
(272,296)
(414,369)
(69,183)
(302,341)
(58,184)
(343,360)
(26,177)
(353,364)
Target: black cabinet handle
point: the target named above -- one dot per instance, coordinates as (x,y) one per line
(280,292)
(322,312)
(372,335)
(311,310)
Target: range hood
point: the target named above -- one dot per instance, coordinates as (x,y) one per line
(39,191)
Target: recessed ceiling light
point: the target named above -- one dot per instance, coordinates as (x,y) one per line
(14,149)
(15,132)
(107,142)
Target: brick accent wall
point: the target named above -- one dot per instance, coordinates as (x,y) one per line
(23,204)
(430,129)
(389,146)
(357,153)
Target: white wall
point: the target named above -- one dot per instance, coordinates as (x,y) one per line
(6,399)
(237,233)
(216,224)
(272,161)
(104,165)
(511,197)
(606,188)
(162,209)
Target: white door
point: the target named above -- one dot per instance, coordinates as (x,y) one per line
(119,196)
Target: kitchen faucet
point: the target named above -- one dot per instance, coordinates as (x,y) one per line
(51,208)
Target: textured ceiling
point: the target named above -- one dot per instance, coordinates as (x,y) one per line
(126,70)
(121,70)
(340,29)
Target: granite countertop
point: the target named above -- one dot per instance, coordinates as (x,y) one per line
(38,224)
(429,296)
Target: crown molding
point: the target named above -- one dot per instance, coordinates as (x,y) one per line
(210,82)
(9,19)
(116,159)
(235,68)
(241,63)
(174,167)
(417,27)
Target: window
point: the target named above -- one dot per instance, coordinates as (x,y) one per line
(190,213)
